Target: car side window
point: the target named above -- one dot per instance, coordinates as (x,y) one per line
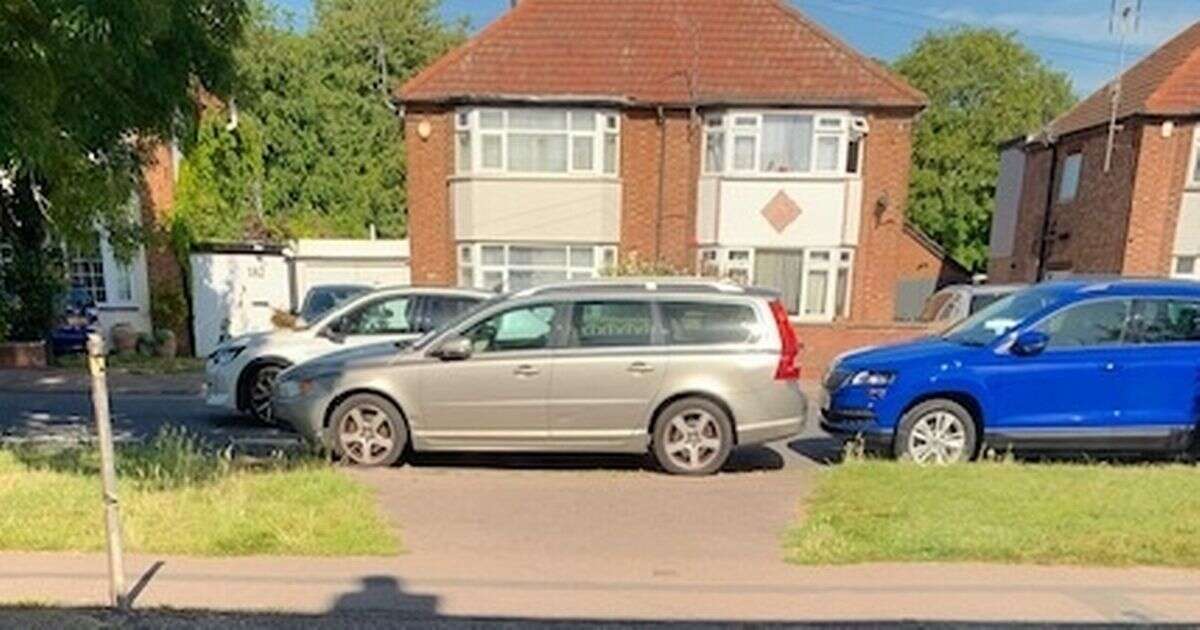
(1166,321)
(705,323)
(934,306)
(606,324)
(389,316)
(440,309)
(522,328)
(1090,324)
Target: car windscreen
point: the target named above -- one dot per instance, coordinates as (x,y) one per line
(321,300)
(984,300)
(461,317)
(1000,317)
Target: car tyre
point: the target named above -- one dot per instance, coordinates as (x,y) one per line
(368,430)
(260,385)
(938,431)
(692,436)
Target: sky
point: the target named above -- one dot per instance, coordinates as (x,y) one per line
(1071,35)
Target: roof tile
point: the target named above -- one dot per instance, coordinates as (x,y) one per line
(660,52)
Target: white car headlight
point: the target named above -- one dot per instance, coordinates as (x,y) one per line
(872,378)
(289,389)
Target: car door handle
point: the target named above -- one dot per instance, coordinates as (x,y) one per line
(526,370)
(638,367)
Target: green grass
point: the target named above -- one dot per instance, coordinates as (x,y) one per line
(1080,514)
(179,499)
(136,364)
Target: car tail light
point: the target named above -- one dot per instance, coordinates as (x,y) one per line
(789,352)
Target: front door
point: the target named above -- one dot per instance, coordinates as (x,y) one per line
(607,375)
(498,395)
(1075,384)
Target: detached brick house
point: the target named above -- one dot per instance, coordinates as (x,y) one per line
(1059,212)
(733,138)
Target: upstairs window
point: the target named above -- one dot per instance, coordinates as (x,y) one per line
(781,143)
(537,141)
(1068,186)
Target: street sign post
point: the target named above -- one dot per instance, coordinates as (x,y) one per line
(108,471)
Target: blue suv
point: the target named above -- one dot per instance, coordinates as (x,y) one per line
(1062,365)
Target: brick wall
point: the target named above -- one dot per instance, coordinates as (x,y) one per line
(157,197)
(887,252)
(1022,265)
(642,142)
(1120,222)
(1157,190)
(430,219)
(822,343)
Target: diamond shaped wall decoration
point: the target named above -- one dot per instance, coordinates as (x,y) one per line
(781,211)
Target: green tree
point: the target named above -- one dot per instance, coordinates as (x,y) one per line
(332,154)
(984,88)
(84,86)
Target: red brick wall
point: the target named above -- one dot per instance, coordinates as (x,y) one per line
(430,219)
(1157,190)
(823,343)
(887,252)
(1120,222)
(1022,265)
(642,143)
(157,196)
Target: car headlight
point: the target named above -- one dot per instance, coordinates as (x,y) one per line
(872,378)
(224,355)
(289,389)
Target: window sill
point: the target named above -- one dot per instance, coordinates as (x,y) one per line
(118,307)
(533,177)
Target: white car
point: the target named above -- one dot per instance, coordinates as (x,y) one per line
(241,372)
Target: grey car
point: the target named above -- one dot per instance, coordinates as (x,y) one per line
(686,370)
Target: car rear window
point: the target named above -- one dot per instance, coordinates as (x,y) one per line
(706,323)
(607,324)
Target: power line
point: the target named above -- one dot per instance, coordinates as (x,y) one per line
(865,11)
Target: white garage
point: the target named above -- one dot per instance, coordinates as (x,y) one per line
(238,287)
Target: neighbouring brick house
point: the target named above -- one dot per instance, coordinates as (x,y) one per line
(1059,211)
(732,138)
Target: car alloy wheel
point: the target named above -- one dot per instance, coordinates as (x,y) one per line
(938,437)
(368,435)
(693,439)
(261,392)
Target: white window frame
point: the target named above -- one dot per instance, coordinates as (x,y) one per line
(1195,272)
(1193,174)
(725,124)
(606,126)
(1063,196)
(728,266)
(473,267)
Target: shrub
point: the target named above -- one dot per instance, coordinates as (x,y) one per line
(168,308)
(633,265)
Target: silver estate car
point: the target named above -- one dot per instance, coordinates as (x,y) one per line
(685,369)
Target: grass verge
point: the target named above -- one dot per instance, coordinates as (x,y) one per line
(1109,515)
(179,498)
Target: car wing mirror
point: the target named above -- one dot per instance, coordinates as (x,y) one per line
(1030,343)
(333,331)
(456,348)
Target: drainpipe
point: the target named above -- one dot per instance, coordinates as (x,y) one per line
(1043,245)
(662,188)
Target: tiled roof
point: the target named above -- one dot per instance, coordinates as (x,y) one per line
(1166,82)
(659,52)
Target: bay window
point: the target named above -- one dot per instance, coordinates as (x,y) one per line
(781,143)
(513,267)
(813,283)
(536,141)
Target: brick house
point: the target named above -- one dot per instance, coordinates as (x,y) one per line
(732,138)
(1059,211)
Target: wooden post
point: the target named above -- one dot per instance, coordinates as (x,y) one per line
(108,471)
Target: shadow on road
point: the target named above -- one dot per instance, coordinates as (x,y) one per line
(746,459)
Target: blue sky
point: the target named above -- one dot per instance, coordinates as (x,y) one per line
(1072,35)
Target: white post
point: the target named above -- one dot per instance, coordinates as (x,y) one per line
(108,471)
